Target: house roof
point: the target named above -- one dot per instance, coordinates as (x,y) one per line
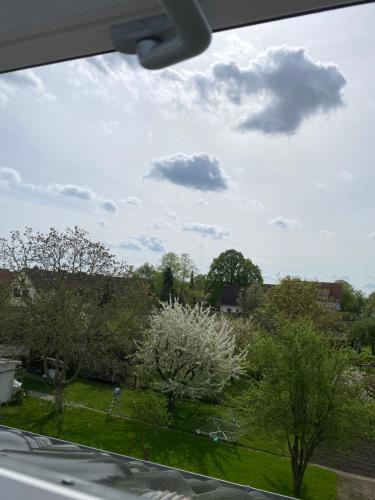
(230,295)
(332,290)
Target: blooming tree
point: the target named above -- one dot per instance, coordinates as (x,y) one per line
(192,351)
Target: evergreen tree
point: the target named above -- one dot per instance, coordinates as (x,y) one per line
(167,290)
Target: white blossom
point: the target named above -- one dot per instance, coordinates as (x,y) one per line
(192,351)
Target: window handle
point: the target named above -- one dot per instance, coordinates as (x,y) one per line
(165,40)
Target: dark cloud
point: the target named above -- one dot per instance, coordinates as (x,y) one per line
(290,84)
(206,230)
(199,171)
(143,242)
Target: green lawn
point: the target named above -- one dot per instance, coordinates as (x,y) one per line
(171,447)
(187,416)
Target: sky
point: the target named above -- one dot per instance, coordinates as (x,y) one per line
(264,143)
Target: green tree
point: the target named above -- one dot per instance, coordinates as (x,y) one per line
(370,305)
(167,289)
(294,298)
(171,260)
(352,301)
(251,298)
(308,394)
(79,290)
(231,267)
(363,332)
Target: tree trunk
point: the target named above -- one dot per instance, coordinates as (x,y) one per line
(171,401)
(59,397)
(298,471)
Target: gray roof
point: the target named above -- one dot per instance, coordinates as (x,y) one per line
(110,475)
(230,295)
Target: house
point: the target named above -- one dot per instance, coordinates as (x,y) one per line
(230,299)
(331,295)
(18,285)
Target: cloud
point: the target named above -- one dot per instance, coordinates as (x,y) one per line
(206,230)
(102,222)
(143,242)
(198,171)
(321,185)
(284,222)
(9,176)
(109,206)
(80,192)
(286,85)
(25,80)
(132,200)
(371,236)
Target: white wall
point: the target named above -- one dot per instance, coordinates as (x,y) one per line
(7,373)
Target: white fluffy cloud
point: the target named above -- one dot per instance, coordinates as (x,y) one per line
(284,222)
(143,242)
(198,171)
(206,230)
(371,236)
(10,178)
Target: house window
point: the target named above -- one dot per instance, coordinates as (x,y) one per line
(229,310)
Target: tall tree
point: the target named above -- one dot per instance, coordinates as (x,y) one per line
(308,393)
(192,352)
(80,287)
(171,260)
(167,289)
(231,267)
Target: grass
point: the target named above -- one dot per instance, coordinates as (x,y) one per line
(188,415)
(170,447)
